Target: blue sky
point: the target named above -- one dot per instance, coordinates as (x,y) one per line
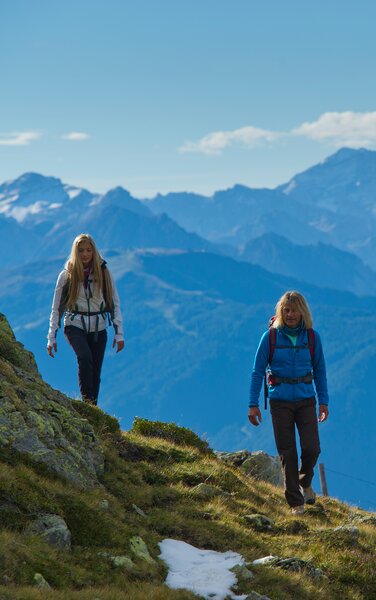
(170,95)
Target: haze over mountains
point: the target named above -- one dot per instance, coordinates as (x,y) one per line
(198,286)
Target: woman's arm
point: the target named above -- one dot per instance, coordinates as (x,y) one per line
(258,370)
(54,316)
(319,372)
(118,319)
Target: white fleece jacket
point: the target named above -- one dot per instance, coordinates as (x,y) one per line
(85,305)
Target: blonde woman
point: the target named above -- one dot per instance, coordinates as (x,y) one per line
(86,292)
(292,352)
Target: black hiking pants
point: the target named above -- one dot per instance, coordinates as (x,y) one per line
(89,349)
(285,416)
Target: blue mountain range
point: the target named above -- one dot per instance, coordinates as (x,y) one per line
(198,283)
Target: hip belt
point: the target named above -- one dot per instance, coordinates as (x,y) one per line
(89,314)
(276,380)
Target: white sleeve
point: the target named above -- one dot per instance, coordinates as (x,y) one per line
(54,317)
(118,319)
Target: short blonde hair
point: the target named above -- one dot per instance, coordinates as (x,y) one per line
(301,304)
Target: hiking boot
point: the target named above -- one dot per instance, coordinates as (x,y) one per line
(298,510)
(91,401)
(309,495)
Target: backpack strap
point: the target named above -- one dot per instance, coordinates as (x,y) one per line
(311,343)
(272,342)
(109,309)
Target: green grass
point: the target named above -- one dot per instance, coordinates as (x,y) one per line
(159,476)
(156,467)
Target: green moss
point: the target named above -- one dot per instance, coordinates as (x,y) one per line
(102,423)
(13,351)
(169,431)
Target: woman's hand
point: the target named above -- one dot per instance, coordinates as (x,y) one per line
(323,413)
(120,345)
(254,415)
(51,349)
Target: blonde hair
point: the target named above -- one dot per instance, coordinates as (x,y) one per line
(300,303)
(76,271)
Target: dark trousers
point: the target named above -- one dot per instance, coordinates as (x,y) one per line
(285,415)
(90,353)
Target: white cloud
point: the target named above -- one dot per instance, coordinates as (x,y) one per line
(19,139)
(76,136)
(216,142)
(342,129)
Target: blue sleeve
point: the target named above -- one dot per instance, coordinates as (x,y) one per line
(319,372)
(260,363)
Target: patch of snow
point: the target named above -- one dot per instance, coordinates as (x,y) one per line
(4,207)
(354,246)
(21,212)
(323,225)
(8,199)
(291,186)
(96,200)
(73,192)
(169,312)
(263,561)
(203,572)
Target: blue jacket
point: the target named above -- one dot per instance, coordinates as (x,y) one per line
(290,361)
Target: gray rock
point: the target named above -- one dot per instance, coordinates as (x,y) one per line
(343,536)
(53,529)
(234,458)
(365,519)
(41,582)
(255,596)
(140,549)
(259,522)
(257,464)
(138,510)
(118,561)
(104,505)
(41,422)
(206,491)
(298,565)
(368,521)
(242,573)
(264,467)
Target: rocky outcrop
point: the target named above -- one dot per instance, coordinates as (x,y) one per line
(52,529)
(259,522)
(258,464)
(292,563)
(41,423)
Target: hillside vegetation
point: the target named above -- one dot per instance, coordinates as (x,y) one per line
(147,487)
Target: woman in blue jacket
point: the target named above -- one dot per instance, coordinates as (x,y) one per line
(293,356)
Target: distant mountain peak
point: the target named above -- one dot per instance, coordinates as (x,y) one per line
(346,153)
(32,180)
(122,198)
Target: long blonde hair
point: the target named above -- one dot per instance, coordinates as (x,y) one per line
(76,271)
(300,303)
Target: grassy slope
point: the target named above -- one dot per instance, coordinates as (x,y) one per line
(156,466)
(158,476)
